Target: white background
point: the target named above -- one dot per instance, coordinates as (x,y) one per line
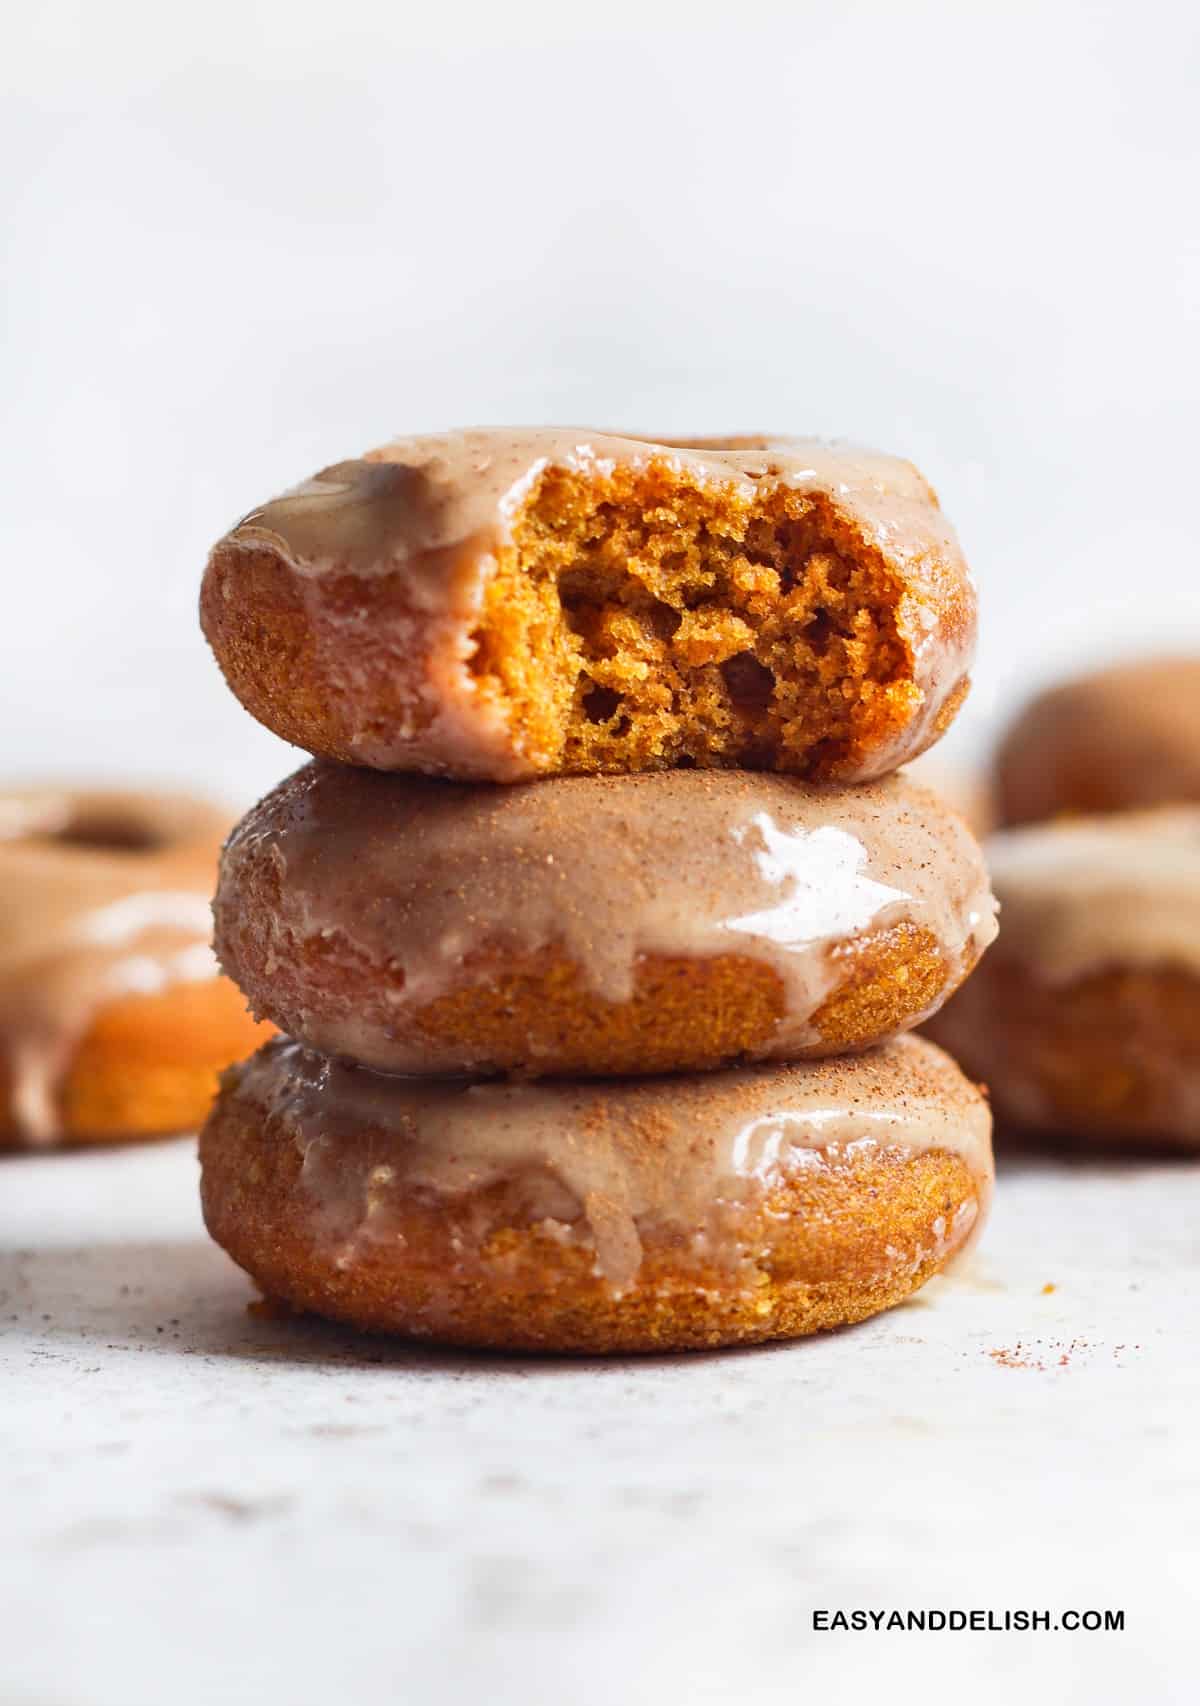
(247,240)
(242,241)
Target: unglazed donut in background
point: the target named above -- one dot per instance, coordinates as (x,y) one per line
(498,604)
(596,924)
(627,1215)
(1115,740)
(114,1019)
(1084,1019)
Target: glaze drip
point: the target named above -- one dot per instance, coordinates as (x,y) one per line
(690,1157)
(442,883)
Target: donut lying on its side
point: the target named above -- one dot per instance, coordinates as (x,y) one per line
(114,1020)
(597,925)
(1084,1019)
(636,1215)
(498,604)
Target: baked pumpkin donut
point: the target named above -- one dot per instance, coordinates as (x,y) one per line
(1084,1019)
(634,1215)
(114,1020)
(596,924)
(1115,740)
(497,604)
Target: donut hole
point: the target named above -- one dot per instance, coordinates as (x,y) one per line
(107,831)
(733,624)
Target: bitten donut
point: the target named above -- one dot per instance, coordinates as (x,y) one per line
(496,605)
(633,1215)
(596,924)
(114,1022)
(1084,1019)
(1115,740)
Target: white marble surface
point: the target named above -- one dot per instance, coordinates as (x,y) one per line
(198,1506)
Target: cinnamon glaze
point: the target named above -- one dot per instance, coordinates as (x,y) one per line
(1085,1019)
(346,884)
(1086,893)
(102,894)
(415,498)
(692,1159)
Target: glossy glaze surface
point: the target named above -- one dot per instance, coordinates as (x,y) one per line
(442,883)
(691,1154)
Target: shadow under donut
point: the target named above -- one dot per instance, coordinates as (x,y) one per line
(183,1298)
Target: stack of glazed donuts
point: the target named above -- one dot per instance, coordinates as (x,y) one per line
(594,926)
(1085,1021)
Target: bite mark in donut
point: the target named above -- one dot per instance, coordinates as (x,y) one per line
(494,605)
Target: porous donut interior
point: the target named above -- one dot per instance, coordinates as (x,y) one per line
(639,620)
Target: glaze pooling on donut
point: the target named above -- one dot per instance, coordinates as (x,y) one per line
(398,584)
(688,1159)
(102,894)
(414,498)
(412,884)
